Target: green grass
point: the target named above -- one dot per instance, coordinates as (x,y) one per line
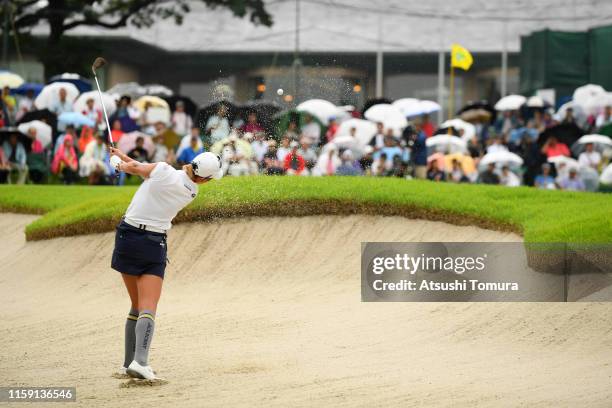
(540,216)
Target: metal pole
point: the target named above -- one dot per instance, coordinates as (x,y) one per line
(441,86)
(504,61)
(296,55)
(379,61)
(5,35)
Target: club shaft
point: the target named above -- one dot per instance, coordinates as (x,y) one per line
(108,127)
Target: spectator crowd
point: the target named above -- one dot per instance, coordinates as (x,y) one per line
(298,143)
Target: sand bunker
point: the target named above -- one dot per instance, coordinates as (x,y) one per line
(267,312)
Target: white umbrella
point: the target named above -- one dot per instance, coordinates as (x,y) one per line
(447,143)
(600,142)
(577,110)
(469,130)
(606,175)
(536,102)
(43,131)
(510,102)
(128,142)
(158,114)
(80,105)
(588,97)
(408,106)
(389,115)
(364,130)
(501,158)
(429,106)
(132,89)
(567,161)
(351,143)
(321,109)
(157,89)
(50,94)
(10,79)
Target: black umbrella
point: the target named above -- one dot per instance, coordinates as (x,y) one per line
(478,109)
(207,111)
(375,101)
(190,105)
(566,133)
(264,110)
(44,115)
(5,134)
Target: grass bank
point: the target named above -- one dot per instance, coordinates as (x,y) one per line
(540,216)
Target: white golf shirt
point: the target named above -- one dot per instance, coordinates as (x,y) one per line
(161,196)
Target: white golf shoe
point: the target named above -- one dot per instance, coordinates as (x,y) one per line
(139,371)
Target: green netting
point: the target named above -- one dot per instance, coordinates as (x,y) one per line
(600,47)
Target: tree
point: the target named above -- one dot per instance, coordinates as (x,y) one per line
(65,15)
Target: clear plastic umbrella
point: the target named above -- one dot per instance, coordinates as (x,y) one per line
(75,119)
(389,115)
(469,130)
(43,131)
(501,158)
(446,143)
(600,143)
(50,94)
(10,79)
(322,109)
(128,142)
(588,97)
(510,102)
(364,130)
(132,89)
(110,104)
(409,107)
(429,106)
(579,114)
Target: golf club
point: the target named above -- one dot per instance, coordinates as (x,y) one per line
(98,63)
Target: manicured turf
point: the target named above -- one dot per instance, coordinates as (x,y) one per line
(541,216)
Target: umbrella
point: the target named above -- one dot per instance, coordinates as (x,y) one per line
(477,111)
(429,106)
(439,158)
(577,111)
(44,115)
(536,102)
(606,130)
(50,94)
(82,84)
(351,143)
(190,106)
(75,119)
(209,110)
(501,158)
(567,133)
(389,115)
(600,142)
(469,130)
(158,114)
(284,117)
(131,89)
(264,110)
(364,130)
(158,90)
(446,143)
(127,142)
(44,132)
(374,101)
(80,105)
(408,107)
(467,162)
(510,102)
(606,175)
(322,109)
(589,97)
(242,144)
(155,101)
(567,161)
(6,132)
(10,79)
(26,87)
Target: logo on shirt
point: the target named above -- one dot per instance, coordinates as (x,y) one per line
(190,190)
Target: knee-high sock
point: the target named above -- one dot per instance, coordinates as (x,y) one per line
(144,334)
(130,337)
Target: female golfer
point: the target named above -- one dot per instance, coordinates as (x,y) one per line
(140,243)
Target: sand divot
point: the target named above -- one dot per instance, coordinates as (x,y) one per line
(135,382)
(120,376)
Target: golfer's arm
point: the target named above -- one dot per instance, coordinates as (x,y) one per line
(138,169)
(124,157)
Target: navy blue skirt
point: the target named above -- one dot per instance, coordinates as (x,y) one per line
(139,252)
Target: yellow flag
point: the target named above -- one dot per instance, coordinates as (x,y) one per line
(460,57)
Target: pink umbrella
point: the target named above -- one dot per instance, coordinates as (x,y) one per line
(128,142)
(438,157)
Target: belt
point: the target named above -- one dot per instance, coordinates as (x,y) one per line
(143,227)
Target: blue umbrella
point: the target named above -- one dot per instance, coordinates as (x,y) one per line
(83,84)
(76,119)
(26,87)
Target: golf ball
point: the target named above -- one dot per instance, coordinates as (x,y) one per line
(279,91)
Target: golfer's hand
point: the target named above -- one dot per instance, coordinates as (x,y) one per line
(116,152)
